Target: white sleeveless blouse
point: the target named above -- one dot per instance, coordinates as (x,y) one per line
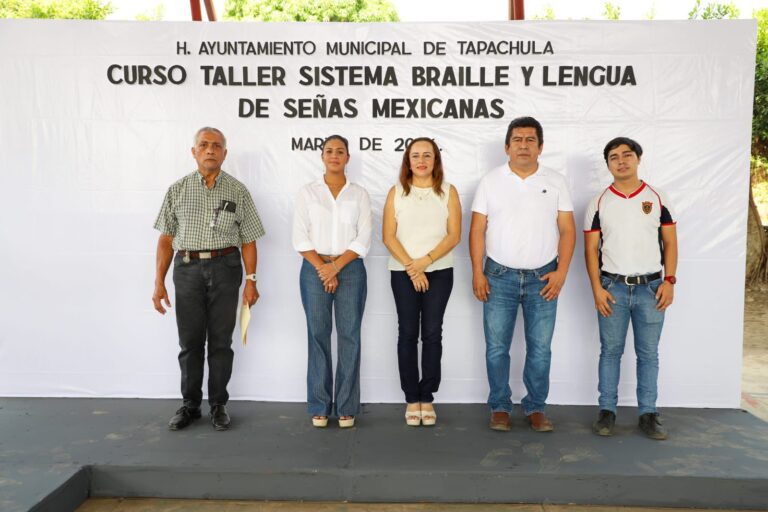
(422,222)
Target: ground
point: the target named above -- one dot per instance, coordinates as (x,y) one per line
(754,400)
(754,378)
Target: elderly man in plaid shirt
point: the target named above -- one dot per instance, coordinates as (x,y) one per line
(209,220)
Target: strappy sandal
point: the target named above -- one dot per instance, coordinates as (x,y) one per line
(413,418)
(428,418)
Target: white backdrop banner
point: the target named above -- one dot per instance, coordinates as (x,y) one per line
(97,119)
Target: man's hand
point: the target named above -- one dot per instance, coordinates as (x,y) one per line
(555,281)
(417,266)
(327,272)
(664,295)
(420,282)
(160,296)
(603,301)
(480,286)
(250,293)
(331,285)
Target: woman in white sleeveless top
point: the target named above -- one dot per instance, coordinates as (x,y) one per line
(422,225)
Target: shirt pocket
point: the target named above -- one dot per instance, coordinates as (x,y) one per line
(348,212)
(227,221)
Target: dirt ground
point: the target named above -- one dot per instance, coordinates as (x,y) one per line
(754,376)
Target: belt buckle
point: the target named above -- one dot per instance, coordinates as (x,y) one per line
(204,255)
(626,281)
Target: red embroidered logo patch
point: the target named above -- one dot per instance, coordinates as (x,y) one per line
(647,207)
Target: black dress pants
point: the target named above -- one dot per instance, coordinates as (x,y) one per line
(207,293)
(423,310)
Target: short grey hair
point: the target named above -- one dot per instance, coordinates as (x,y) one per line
(209,129)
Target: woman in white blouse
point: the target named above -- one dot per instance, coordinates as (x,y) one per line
(332,232)
(422,225)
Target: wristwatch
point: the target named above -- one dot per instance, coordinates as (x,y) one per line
(670,279)
(251,277)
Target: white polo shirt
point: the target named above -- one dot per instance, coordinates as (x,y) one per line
(522,227)
(630,229)
(331,226)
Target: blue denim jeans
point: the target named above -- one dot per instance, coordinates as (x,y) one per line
(636,303)
(511,288)
(324,396)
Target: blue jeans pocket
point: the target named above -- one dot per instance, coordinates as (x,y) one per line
(494,269)
(653,287)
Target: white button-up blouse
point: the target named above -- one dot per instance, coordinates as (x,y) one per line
(331,226)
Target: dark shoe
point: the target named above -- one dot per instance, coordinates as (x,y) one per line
(184,417)
(604,424)
(500,421)
(219,417)
(540,423)
(651,426)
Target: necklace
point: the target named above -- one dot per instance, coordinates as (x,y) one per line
(334,186)
(421,193)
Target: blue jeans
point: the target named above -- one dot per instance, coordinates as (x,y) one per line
(511,288)
(638,303)
(324,396)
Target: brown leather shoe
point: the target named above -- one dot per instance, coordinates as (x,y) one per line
(540,423)
(500,421)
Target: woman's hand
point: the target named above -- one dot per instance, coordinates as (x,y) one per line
(327,272)
(420,282)
(331,285)
(417,266)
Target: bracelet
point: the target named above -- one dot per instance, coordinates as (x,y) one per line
(334,266)
(430,257)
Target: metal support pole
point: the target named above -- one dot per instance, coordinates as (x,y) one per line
(210,10)
(194,5)
(516,9)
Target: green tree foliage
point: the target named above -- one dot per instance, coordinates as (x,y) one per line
(157,13)
(760,110)
(60,9)
(611,11)
(549,14)
(714,11)
(310,10)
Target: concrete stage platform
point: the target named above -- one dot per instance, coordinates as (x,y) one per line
(56,452)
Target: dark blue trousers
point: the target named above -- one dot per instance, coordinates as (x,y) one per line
(425,311)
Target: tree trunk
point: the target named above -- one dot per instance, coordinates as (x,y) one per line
(756,244)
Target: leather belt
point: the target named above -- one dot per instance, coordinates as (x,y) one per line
(633,280)
(207,255)
(327,258)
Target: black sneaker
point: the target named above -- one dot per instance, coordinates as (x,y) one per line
(651,426)
(219,417)
(184,417)
(605,421)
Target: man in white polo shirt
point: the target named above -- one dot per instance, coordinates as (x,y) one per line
(629,234)
(522,218)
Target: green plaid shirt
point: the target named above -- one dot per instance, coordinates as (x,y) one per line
(200,219)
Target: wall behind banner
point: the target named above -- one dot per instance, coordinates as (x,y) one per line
(87,161)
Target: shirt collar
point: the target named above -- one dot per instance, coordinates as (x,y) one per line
(320,182)
(541,171)
(627,196)
(201,178)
